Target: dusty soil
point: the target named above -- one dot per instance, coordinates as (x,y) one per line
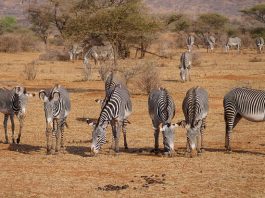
(26,170)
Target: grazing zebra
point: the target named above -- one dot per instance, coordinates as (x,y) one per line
(190,42)
(161,109)
(195,109)
(233,41)
(259,44)
(116,109)
(242,102)
(185,66)
(99,53)
(14,102)
(75,51)
(210,42)
(57,107)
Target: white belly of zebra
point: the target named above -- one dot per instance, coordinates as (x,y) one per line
(254,117)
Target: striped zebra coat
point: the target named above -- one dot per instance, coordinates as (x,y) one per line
(14,102)
(57,107)
(161,108)
(195,109)
(242,103)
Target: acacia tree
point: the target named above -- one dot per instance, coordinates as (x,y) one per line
(115,21)
(40,19)
(256,12)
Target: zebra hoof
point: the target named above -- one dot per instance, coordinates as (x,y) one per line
(6,142)
(18,140)
(156,151)
(49,152)
(228,151)
(126,147)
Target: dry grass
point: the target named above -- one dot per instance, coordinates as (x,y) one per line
(28,172)
(30,70)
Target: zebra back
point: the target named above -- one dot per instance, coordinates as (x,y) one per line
(195,105)
(161,106)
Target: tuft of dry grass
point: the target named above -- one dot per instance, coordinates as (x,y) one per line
(30,70)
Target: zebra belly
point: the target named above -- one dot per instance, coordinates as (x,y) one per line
(254,117)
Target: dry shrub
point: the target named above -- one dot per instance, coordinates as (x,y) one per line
(130,73)
(30,70)
(12,43)
(165,49)
(148,78)
(181,41)
(247,41)
(104,70)
(255,59)
(196,59)
(54,55)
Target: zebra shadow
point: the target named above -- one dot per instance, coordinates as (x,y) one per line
(235,151)
(24,148)
(82,151)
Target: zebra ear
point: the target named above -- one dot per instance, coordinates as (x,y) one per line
(56,95)
(173,126)
(187,126)
(100,101)
(42,95)
(91,122)
(18,90)
(182,123)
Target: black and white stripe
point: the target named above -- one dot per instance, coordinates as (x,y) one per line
(210,42)
(115,110)
(195,109)
(233,41)
(185,66)
(190,42)
(242,102)
(161,108)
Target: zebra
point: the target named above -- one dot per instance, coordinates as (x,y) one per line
(210,42)
(233,41)
(99,53)
(259,44)
(75,51)
(185,66)
(117,108)
(240,103)
(190,42)
(195,109)
(14,102)
(161,108)
(57,107)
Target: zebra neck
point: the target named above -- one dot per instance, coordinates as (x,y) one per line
(15,103)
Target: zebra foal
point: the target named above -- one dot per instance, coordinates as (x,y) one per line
(195,109)
(57,107)
(242,103)
(116,109)
(161,108)
(14,102)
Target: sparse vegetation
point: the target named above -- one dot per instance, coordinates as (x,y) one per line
(148,78)
(54,55)
(30,70)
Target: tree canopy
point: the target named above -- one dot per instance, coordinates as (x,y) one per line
(257,12)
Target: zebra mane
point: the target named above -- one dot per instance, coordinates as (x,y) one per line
(167,98)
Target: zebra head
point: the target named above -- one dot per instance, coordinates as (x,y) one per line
(192,133)
(51,99)
(98,136)
(168,131)
(20,101)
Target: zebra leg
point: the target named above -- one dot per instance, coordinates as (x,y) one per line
(21,124)
(13,127)
(117,136)
(54,132)
(113,127)
(124,135)
(62,134)
(48,139)
(57,135)
(203,126)
(156,136)
(5,127)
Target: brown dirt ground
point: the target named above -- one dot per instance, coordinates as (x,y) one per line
(26,170)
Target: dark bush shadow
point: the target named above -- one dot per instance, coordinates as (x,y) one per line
(24,148)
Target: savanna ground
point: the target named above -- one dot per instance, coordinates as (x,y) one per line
(26,170)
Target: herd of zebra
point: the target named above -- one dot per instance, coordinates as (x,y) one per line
(116,107)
